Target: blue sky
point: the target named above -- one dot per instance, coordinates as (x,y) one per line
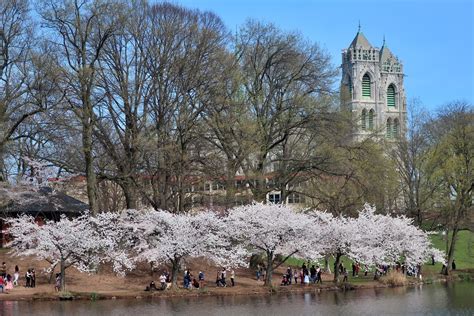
(433,38)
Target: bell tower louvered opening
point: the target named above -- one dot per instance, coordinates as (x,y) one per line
(396,128)
(366,92)
(391,96)
(389,128)
(371,119)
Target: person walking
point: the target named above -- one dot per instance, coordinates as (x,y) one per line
(295,275)
(259,272)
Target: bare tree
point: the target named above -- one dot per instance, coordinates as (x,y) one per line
(281,73)
(182,46)
(122,118)
(80,29)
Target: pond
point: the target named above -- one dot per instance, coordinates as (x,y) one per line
(439,299)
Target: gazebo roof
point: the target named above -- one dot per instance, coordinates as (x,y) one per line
(43,201)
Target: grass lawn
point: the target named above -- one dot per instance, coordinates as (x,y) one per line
(464,252)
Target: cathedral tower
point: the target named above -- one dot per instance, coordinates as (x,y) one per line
(372,88)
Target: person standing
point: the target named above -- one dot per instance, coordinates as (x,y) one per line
(33,278)
(312,272)
(295,275)
(223,276)
(3,270)
(345,275)
(289,275)
(28,278)
(258,272)
(16,276)
(163,281)
(453,265)
(318,276)
(201,279)
(232,277)
(57,285)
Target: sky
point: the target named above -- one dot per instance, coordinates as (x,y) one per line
(433,38)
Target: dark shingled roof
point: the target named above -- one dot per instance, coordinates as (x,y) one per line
(42,201)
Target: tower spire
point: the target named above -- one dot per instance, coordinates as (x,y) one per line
(383,40)
(358,30)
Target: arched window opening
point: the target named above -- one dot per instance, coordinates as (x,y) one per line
(371,119)
(363,119)
(366,90)
(391,96)
(389,128)
(396,128)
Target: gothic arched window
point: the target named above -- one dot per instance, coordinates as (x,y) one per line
(371,119)
(363,119)
(389,128)
(391,95)
(396,128)
(366,89)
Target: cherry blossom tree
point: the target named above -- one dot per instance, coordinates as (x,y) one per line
(274,229)
(375,239)
(67,242)
(169,238)
(116,239)
(337,239)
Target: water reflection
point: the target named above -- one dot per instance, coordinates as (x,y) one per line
(443,299)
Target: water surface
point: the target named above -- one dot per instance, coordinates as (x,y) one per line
(440,299)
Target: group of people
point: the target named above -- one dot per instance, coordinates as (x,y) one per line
(7,281)
(221,278)
(305,275)
(189,281)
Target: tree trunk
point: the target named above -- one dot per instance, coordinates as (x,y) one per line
(451,249)
(3,177)
(326,264)
(268,275)
(175,265)
(336,266)
(89,160)
(63,275)
(230,186)
(130,194)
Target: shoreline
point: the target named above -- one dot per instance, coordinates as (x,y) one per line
(256,290)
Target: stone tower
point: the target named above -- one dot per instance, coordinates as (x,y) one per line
(372,89)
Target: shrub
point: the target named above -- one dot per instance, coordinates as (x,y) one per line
(394,278)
